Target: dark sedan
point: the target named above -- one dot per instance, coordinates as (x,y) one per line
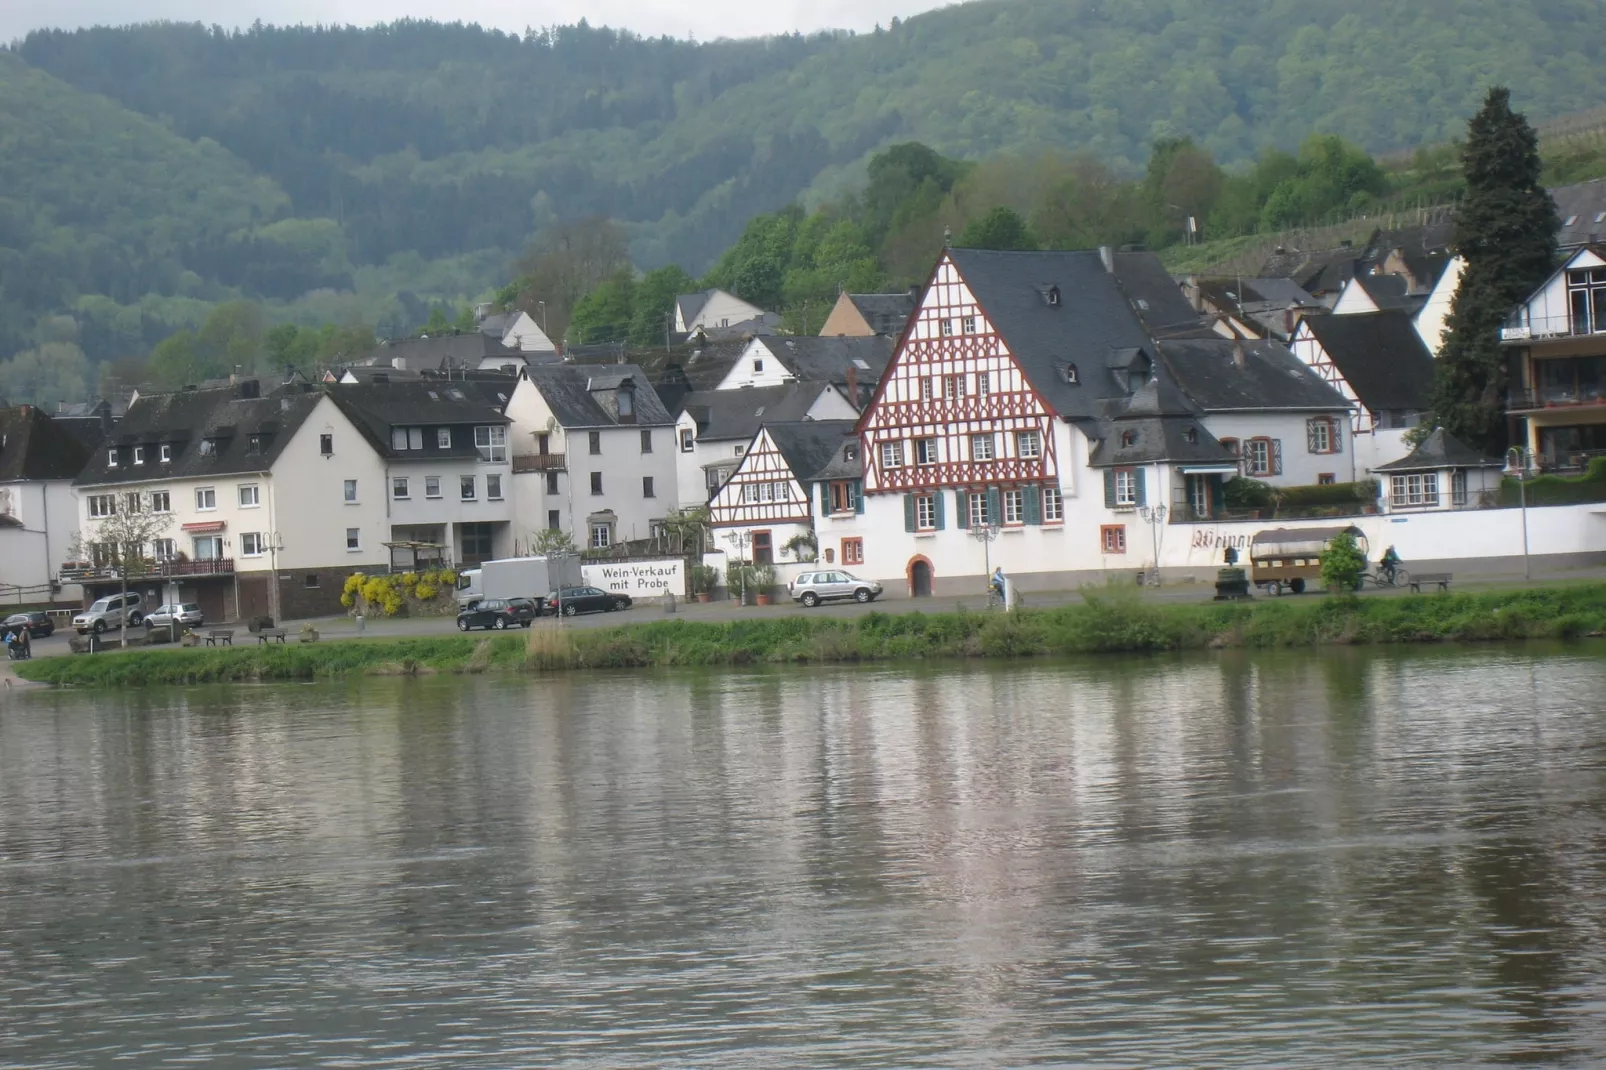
(499,613)
(38,624)
(574,600)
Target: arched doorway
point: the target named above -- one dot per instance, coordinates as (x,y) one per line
(919,578)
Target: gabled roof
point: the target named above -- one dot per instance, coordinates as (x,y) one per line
(1151,439)
(736,415)
(35,447)
(688,305)
(1318,271)
(1380,355)
(1155,295)
(828,359)
(579,394)
(1222,375)
(455,350)
(885,314)
(813,446)
(186,419)
(1091,321)
(1390,292)
(376,408)
(1439,450)
(1581,208)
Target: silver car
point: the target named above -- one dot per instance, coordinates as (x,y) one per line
(184,614)
(108,612)
(812,588)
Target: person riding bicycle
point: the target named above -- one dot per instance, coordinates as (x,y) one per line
(1390,563)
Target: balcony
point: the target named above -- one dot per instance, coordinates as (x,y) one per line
(81,571)
(539,462)
(1544,328)
(1556,397)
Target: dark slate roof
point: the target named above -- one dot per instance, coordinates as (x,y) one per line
(1439,450)
(827,360)
(376,408)
(1091,327)
(812,446)
(35,447)
(691,304)
(1268,377)
(187,418)
(1585,204)
(1381,356)
(1151,439)
(1318,271)
(1391,292)
(568,391)
(456,350)
(1428,239)
(683,369)
(727,415)
(1155,294)
(886,314)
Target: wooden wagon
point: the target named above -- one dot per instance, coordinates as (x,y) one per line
(1290,559)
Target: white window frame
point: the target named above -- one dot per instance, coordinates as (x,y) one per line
(161,501)
(401,489)
(139,454)
(102,505)
(1126,488)
(984,384)
(986,450)
(493,450)
(688,440)
(976,509)
(967,324)
(1014,506)
(1029,445)
(251,544)
(165,454)
(1414,490)
(953,386)
(929,443)
(1257,456)
(255,491)
(925,512)
(443,438)
(601,536)
(493,486)
(1319,435)
(111,457)
(1458,487)
(353,540)
(206,499)
(163,549)
(1053,505)
(892,454)
(348,491)
(432,486)
(470,485)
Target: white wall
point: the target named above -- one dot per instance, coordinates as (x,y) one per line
(757,366)
(525,334)
(30,556)
(1353,300)
(1300,466)
(720,310)
(689,476)
(1381,446)
(1430,319)
(623,467)
(1548,312)
(306,500)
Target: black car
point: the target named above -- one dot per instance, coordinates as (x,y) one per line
(499,613)
(38,624)
(585,600)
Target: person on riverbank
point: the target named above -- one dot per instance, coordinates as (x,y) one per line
(997,583)
(1389,563)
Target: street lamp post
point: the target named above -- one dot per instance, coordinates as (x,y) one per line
(985,534)
(739,540)
(1520,462)
(275,602)
(1154,516)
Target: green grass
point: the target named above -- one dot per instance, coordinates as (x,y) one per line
(1106,621)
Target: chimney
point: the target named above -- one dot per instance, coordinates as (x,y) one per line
(1239,356)
(1288,322)
(1107,255)
(853,385)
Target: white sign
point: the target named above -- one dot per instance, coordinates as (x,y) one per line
(639,579)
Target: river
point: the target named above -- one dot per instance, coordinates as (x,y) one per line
(1322,858)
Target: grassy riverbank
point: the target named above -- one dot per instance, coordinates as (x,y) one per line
(1104,622)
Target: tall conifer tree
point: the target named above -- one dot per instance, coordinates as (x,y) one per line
(1506,232)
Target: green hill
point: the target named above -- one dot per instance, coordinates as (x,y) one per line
(340,173)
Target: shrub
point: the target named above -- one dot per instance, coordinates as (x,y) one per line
(1343,563)
(1242,493)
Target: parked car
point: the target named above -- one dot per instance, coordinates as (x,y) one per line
(183,614)
(585,600)
(38,623)
(499,613)
(109,612)
(812,588)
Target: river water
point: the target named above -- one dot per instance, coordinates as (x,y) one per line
(1314,859)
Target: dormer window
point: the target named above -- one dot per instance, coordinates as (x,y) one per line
(627,400)
(208,447)
(1129,438)
(1053,297)
(1191,436)
(253,444)
(166,455)
(1070,374)
(111,458)
(139,454)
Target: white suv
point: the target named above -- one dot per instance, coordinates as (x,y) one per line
(108,613)
(812,588)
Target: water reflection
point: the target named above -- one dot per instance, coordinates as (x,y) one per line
(1350,856)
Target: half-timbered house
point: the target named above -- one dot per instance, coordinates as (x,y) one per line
(770,500)
(716,427)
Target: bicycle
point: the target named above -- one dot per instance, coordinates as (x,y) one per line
(1390,577)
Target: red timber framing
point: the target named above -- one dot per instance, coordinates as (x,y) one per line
(762,490)
(952,384)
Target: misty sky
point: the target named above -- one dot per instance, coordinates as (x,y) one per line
(705,20)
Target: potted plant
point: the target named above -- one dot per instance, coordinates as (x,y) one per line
(704,578)
(761,578)
(190,638)
(309,634)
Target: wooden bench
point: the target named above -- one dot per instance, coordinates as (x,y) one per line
(265,634)
(1441,580)
(220,635)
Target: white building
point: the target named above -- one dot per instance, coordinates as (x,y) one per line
(851,364)
(515,330)
(1441,473)
(715,428)
(39,458)
(714,309)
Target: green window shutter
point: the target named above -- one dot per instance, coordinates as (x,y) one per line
(993,515)
(908,512)
(825,499)
(939,503)
(1140,485)
(1033,503)
(1109,488)
(959,506)
(856,491)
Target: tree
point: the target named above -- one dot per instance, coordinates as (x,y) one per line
(122,540)
(565,263)
(651,313)
(1001,228)
(1506,233)
(552,541)
(55,371)
(1342,564)
(604,314)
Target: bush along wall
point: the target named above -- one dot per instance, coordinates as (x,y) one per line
(1559,490)
(414,594)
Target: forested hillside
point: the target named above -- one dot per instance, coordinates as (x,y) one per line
(342,175)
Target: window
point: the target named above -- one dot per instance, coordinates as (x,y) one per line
(251,544)
(596,443)
(926,390)
(161,502)
(984,383)
(1458,487)
(432,486)
(205,499)
(1325,479)
(688,440)
(843,496)
(406,438)
(111,458)
(1586,293)
(250,495)
(981,447)
(601,536)
(758,364)
(1112,538)
(399,488)
(1415,489)
(1231,446)
(596,482)
(1128,438)
(310,581)
(976,509)
(1053,506)
(465,488)
(354,538)
(253,444)
(208,447)
(763,548)
(326,445)
(493,486)
(953,386)
(1126,488)
(925,451)
(1014,507)
(166,454)
(139,454)
(553,520)
(967,324)
(491,444)
(1263,457)
(853,551)
(131,503)
(647,490)
(475,540)
(1028,445)
(646,440)
(208,548)
(1322,435)
(551,482)
(892,455)
(102,505)
(163,549)
(925,512)
(947,327)
(350,492)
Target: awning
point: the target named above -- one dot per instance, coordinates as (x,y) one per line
(1208,469)
(206,525)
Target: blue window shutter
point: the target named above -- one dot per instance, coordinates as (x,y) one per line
(856,489)
(1109,488)
(940,505)
(959,504)
(1033,503)
(1140,484)
(993,515)
(908,512)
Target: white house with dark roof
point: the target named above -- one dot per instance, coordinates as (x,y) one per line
(714,309)
(516,330)
(852,364)
(715,427)
(1442,472)
(39,458)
